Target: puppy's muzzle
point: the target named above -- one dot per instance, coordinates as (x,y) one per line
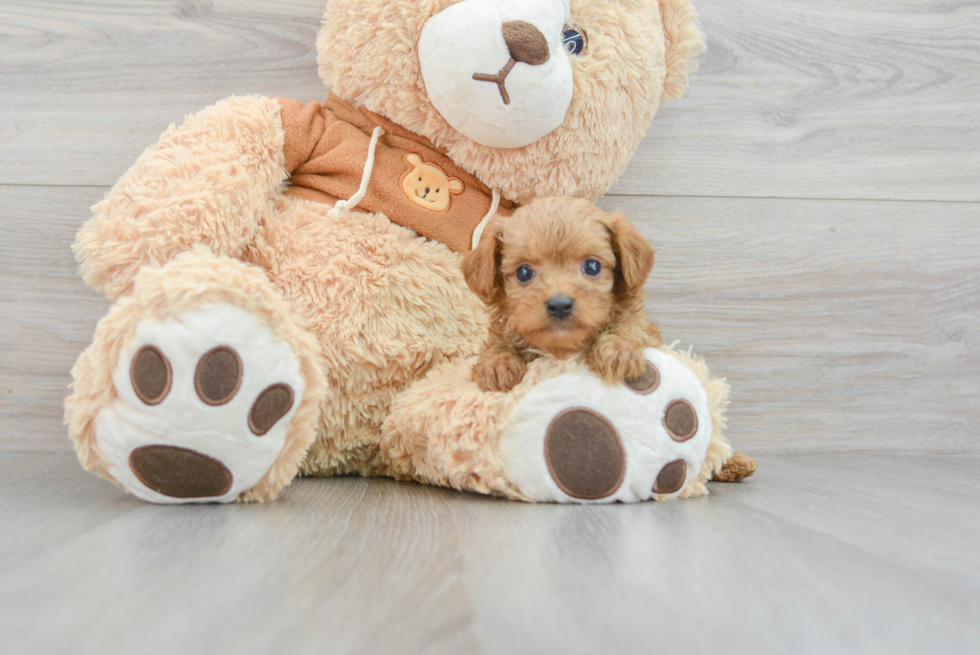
(560,307)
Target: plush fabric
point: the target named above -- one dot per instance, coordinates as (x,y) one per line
(617,88)
(444,430)
(194,279)
(234,211)
(412,183)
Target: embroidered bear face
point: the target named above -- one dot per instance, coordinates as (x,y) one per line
(428,186)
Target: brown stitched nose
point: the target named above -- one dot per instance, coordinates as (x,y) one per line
(526,43)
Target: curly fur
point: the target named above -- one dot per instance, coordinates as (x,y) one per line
(552,238)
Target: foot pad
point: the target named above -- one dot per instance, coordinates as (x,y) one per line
(203,407)
(585,454)
(573,438)
(179,472)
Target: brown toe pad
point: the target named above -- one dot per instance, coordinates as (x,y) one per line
(671,478)
(648,381)
(179,472)
(218,376)
(271,405)
(585,454)
(151,375)
(680,420)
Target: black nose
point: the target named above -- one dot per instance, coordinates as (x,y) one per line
(560,306)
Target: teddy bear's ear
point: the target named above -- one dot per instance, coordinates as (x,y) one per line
(413,160)
(634,255)
(481,267)
(684,42)
(456,185)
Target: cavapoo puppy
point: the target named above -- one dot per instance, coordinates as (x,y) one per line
(561,277)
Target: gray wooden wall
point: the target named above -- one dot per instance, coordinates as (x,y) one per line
(815,198)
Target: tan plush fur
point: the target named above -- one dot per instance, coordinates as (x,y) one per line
(193,279)
(369,307)
(385,307)
(211,181)
(551,241)
(444,429)
(640,53)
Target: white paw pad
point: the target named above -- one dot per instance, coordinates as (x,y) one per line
(574,438)
(202,409)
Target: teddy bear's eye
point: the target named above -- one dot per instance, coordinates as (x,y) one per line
(574,40)
(524,275)
(438,190)
(592,268)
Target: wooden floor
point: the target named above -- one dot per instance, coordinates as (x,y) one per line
(821,554)
(815,201)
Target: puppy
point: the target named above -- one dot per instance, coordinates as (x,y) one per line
(560,277)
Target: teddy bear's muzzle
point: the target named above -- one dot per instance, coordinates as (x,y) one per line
(496,69)
(526,45)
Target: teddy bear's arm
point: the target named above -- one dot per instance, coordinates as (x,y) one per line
(210,181)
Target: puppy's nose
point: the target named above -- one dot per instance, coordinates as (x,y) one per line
(560,307)
(526,43)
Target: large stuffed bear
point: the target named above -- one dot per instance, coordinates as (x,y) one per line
(286,276)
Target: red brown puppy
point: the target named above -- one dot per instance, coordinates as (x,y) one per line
(561,277)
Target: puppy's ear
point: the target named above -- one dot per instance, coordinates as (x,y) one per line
(634,254)
(481,266)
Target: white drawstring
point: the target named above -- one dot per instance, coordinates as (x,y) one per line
(494,206)
(355,200)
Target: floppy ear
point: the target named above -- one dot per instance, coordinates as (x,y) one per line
(481,266)
(634,254)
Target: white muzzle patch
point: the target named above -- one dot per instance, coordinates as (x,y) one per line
(496,69)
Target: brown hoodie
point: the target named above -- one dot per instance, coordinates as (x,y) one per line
(413,183)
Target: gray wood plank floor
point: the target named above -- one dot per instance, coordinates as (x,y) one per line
(819,554)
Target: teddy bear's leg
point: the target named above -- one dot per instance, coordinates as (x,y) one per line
(200,386)
(563,435)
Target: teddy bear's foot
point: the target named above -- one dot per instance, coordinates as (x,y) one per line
(203,406)
(200,386)
(573,438)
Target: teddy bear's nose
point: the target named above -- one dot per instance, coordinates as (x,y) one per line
(526,43)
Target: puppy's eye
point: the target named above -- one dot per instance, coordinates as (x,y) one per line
(524,275)
(592,268)
(574,40)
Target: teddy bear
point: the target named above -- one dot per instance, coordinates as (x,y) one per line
(286,284)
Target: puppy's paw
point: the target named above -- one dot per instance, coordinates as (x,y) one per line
(736,469)
(499,372)
(615,359)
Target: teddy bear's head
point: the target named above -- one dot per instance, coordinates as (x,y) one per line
(534,97)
